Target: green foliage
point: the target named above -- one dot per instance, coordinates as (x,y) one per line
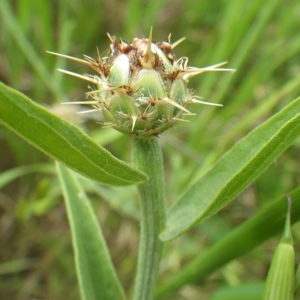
(62,141)
(252,233)
(257,38)
(281,276)
(245,291)
(235,171)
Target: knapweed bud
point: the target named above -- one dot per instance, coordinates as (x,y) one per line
(141,89)
(281,276)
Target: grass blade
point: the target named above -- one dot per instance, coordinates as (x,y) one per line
(247,43)
(63,141)
(234,171)
(95,271)
(29,52)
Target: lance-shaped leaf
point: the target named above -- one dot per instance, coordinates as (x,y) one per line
(95,271)
(238,168)
(63,141)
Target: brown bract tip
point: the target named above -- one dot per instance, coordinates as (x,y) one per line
(148,57)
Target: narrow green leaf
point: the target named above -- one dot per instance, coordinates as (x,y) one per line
(238,168)
(63,141)
(23,42)
(265,224)
(10,175)
(95,271)
(246,291)
(15,266)
(248,37)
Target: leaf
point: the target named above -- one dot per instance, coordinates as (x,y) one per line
(245,291)
(95,271)
(12,174)
(265,224)
(63,141)
(238,168)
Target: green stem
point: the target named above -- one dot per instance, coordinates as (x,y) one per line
(147,157)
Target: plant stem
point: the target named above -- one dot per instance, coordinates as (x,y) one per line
(147,157)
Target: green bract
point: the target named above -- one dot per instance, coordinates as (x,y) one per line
(280,281)
(140,88)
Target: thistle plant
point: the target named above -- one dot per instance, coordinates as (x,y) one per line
(141,89)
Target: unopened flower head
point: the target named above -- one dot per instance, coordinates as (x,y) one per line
(141,89)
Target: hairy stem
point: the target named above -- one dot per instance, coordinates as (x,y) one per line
(147,157)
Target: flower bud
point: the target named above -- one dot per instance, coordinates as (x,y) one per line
(140,89)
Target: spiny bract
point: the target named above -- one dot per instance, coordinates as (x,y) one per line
(140,89)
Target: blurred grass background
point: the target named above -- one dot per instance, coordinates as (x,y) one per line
(259,38)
